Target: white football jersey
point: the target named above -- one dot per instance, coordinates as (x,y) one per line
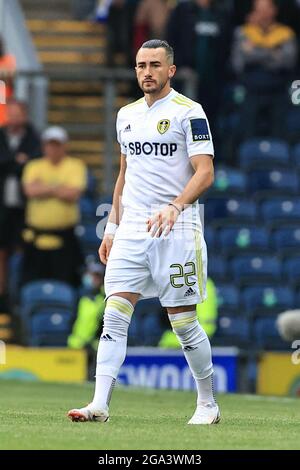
(158,142)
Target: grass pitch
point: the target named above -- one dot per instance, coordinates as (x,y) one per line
(33,416)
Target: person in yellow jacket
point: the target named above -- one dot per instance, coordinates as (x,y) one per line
(207,313)
(90,309)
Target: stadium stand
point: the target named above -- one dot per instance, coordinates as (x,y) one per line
(47,309)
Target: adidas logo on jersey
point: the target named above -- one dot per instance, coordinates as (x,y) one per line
(127,128)
(107,338)
(189,292)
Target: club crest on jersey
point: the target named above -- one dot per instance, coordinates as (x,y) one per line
(163,126)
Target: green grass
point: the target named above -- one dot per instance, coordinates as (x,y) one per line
(33,416)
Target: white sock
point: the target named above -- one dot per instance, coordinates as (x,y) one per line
(197,351)
(205,388)
(112,348)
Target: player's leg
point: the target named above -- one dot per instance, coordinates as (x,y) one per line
(125,278)
(179,270)
(197,351)
(111,354)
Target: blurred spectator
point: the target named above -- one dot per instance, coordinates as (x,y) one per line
(207,314)
(264,55)
(120,32)
(53,185)
(7,72)
(150,21)
(90,311)
(288,324)
(199,32)
(19,142)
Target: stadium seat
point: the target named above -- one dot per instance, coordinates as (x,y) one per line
(222,208)
(255,269)
(238,239)
(296,154)
(232,330)
(281,209)
(88,238)
(228,299)
(276,180)
(255,152)
(267,299)
(286,239)
(146,325)
(47,309)
(293,123)
(229,180)
(217,267)
(266,335)
(87,209)
(210,236)
(291,270)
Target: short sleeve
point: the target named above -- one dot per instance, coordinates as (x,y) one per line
(119,135)
(197,131)
(31,172)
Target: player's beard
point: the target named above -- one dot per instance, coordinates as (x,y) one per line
(155,88)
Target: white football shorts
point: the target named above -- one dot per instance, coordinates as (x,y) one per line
(173,268)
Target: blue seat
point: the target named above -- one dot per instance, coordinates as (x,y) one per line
(46,309)
(255,152)
(228,298)
(87,209)
(91,187)
(222,208)
(232,330)
(267,299)
(229,180)
(255,268)
(293,123)
(282,180)
(242,238)
(291,270)
(286,238)
(210,236)
(88,238)
(296,153)
(286,209)
(146,325)
(266,335)
(217,267)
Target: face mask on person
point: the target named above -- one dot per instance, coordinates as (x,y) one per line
(87,281)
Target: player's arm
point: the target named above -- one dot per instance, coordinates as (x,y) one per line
(115,215)
(202,179)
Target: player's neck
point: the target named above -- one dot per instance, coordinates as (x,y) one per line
(151,98)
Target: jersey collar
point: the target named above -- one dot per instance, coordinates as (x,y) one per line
(162,100)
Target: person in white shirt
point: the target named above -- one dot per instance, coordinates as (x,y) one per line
(153,243)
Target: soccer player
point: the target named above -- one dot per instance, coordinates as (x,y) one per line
(156,246)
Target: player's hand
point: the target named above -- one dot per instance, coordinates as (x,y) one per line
(163,222)
(105,248)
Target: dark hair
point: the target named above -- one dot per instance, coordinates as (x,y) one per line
(156,43)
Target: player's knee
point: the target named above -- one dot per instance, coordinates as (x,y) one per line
(117,316)
(187,328)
